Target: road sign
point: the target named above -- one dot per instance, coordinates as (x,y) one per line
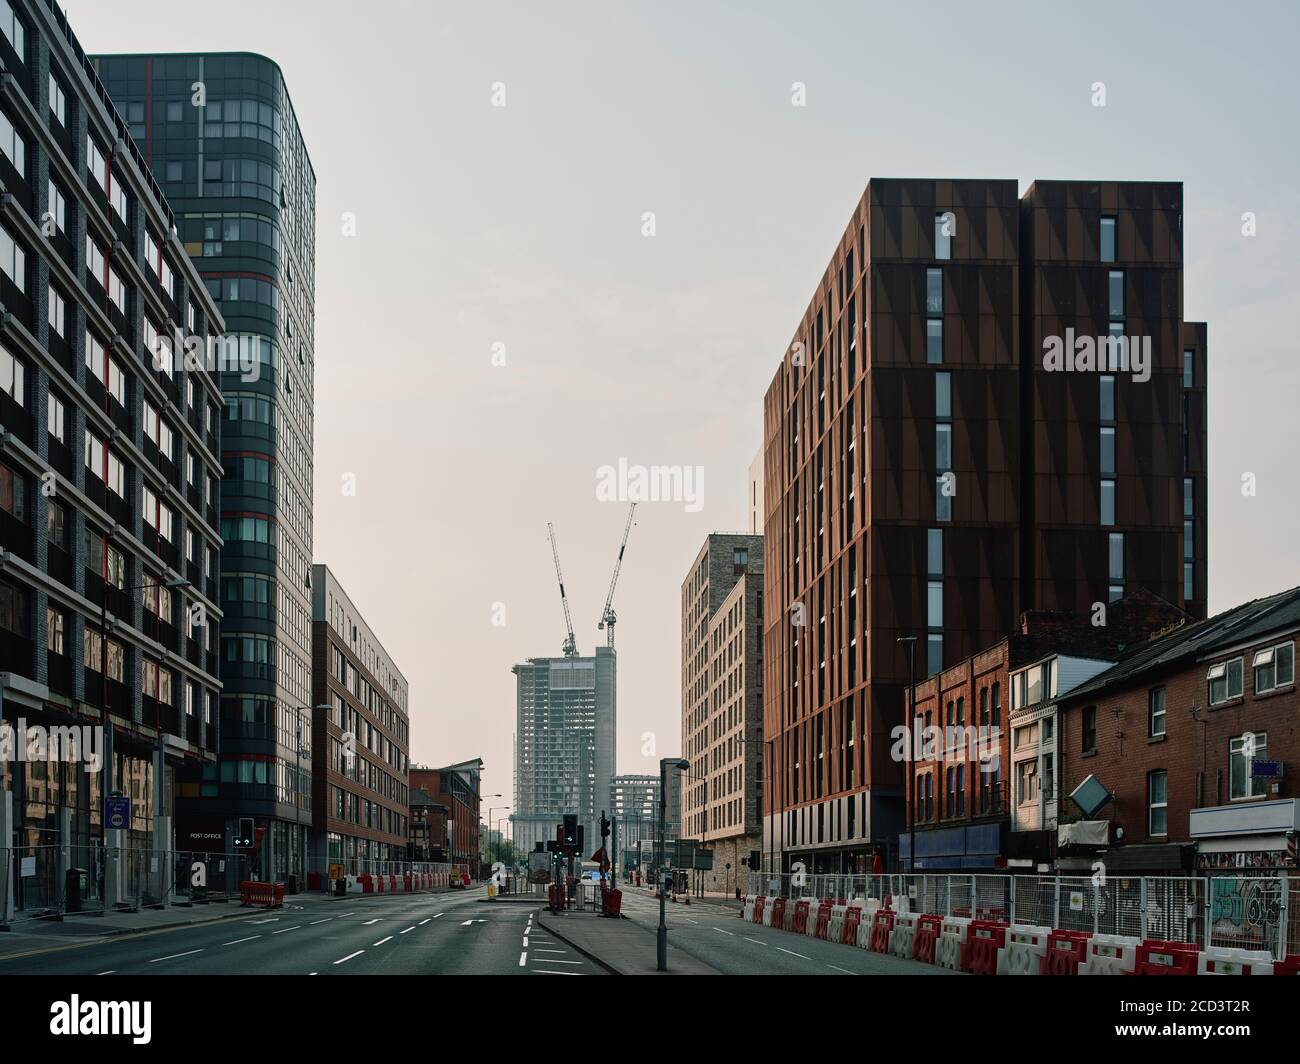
(117,813)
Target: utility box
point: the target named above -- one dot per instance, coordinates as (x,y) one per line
(74,889)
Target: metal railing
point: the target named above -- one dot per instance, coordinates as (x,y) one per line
(1248,911)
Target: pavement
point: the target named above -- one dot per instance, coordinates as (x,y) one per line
(395,934)
(624,947)
(708,937)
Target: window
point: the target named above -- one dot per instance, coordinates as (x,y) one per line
(117,290)
(174,111)
(942,500)
(997,705)
(1189,497)
(942,237)
(55,523)
(1158,803)
(1189,368)
(1274,667)
(934,341)
(11,492)
(1106,399)
(1241,752)
(943,446)
(943,395)
(13,377)
(58,208)
(1107,502)
(1116,565)
(12,27)
(933,653)
(95,164)
(58,102)
(934,604)
(1089,729)
(57,418)
(1108,450)
(934,290)
(1027,782)
(13,145)
(1225,681)
(934,551)
(53,631)
(1156,712)
(58,311)
(13,260)
(1107,238)
(94,259)
(1115,293)
(173,171)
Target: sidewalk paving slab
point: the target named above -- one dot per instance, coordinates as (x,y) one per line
(619,945)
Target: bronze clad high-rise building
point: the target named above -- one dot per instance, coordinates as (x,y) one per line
(992,404)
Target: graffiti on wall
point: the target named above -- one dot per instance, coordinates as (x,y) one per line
(1244,911)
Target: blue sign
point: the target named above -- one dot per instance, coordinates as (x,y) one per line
(117,813)
(1269,770)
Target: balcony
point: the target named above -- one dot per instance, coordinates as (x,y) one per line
(63,352)
(16,654)
(16,536)
(59,564)
(17,420)
(118,508)
(61,459)
(60,674)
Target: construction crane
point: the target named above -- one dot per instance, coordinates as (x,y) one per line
(607,618)
(570,642)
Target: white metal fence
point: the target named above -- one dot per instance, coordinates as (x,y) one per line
(1240,911)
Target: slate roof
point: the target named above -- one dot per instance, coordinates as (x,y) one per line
(1242,624)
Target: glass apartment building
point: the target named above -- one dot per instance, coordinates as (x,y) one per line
(220,134)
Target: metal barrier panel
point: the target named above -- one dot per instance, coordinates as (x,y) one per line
(1174,909)
(1247,912)
(1259,911)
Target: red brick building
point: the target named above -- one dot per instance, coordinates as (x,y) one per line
(457,788)
(960,801)
(1196,739)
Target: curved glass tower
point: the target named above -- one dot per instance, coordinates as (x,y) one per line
(220,134)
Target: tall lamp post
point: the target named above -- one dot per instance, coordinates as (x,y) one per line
(494,852)
(665,763)
(908,723)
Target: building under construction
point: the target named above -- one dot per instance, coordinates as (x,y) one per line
(564,755)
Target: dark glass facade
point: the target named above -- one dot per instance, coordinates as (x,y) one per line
(220,134)
(109,470)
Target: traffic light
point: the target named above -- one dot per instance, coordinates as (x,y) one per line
(570,829)
(604,826)
(244,839)
(755,860)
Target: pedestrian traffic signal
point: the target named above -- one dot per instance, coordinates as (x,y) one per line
(570,836)
(755,860)
(604,826)
(244,838)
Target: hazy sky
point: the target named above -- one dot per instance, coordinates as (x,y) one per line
(521,225)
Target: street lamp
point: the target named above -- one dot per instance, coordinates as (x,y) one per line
(492,809)
(908,724)
(681,764)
